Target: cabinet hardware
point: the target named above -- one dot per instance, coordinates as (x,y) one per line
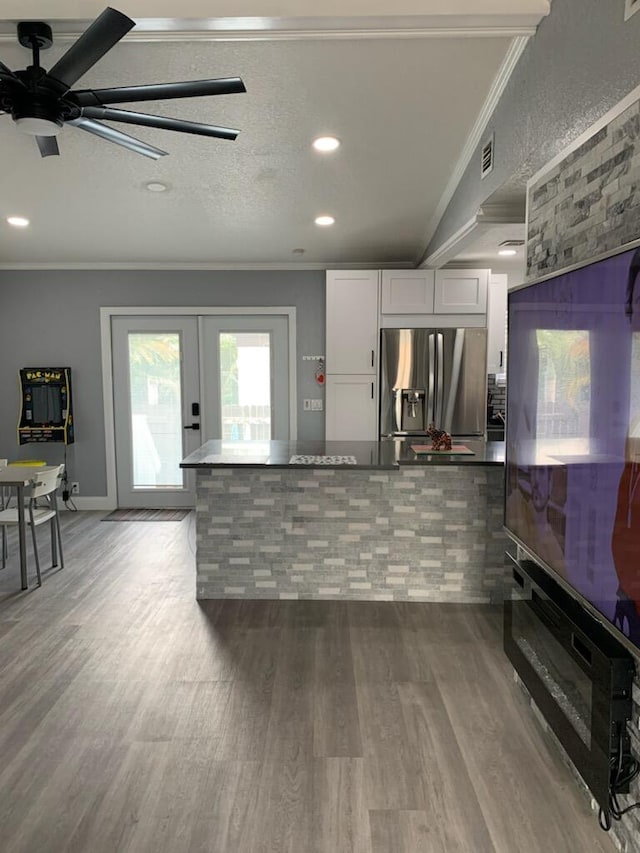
(371,358)
(372,390)
(501,356)
(193,426)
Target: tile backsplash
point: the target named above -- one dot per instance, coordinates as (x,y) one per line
(496,395)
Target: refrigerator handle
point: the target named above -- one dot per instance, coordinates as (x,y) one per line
(397,410)
(432,380)
(440,385)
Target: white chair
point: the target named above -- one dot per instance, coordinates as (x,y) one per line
(45,486)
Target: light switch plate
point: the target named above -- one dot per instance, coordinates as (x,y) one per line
(316,406)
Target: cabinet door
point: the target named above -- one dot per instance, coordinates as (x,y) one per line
(461,291)
(352,321)
(407,291)
(497,324)
(351,408)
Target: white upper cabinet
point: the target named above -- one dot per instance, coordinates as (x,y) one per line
(497,324)
(461,291)
(407,291)
(352,321)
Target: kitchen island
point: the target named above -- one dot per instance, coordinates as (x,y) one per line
(349,520)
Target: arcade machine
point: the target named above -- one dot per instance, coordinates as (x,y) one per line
(46,405)
(46,412)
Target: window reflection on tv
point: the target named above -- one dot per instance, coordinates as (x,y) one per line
(573,432)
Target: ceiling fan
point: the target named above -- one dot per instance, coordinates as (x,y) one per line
(42,102)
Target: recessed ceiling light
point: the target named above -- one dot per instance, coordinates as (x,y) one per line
(326,143)
(507,252)
(17,221)
(156,187)
(324,220)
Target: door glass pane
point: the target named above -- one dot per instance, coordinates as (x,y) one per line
(564,383)
(245,385)
(156,409)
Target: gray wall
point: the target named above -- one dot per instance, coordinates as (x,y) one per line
(581,62)
(52,318)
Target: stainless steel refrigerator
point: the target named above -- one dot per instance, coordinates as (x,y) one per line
(434,376)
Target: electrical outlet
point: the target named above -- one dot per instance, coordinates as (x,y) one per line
(75,488)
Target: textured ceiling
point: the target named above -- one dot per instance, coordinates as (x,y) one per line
(403,109)
(483,251)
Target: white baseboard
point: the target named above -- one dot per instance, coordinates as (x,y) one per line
(98,503)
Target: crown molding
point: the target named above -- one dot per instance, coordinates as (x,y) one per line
(630,8)
(315,34)
(185,267)
(247,28)
(452,246)
(499,84)
(486,218)
(502,213)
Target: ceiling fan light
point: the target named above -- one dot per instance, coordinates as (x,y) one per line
(34,126)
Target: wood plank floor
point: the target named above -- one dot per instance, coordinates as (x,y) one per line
(133,718)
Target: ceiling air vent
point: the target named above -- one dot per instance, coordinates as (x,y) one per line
(630,7)
(486,165)
(511,244)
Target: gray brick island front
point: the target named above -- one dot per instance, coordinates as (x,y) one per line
(352,520)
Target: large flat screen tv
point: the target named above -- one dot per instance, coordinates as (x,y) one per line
(573,433)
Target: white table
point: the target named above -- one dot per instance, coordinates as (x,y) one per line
(20,477)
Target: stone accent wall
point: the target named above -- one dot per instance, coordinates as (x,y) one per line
(589,203)
(430,533)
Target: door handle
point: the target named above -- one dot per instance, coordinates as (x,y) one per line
(194,426)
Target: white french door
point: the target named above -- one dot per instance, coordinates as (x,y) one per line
(181,380)
(245,370)
(156,382)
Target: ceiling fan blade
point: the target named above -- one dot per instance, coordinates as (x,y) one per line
(118,137)
(106,31)
(158,92)
(7,74)
(160,122)
(48,145)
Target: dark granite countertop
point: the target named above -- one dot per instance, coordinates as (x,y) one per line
(386,454)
